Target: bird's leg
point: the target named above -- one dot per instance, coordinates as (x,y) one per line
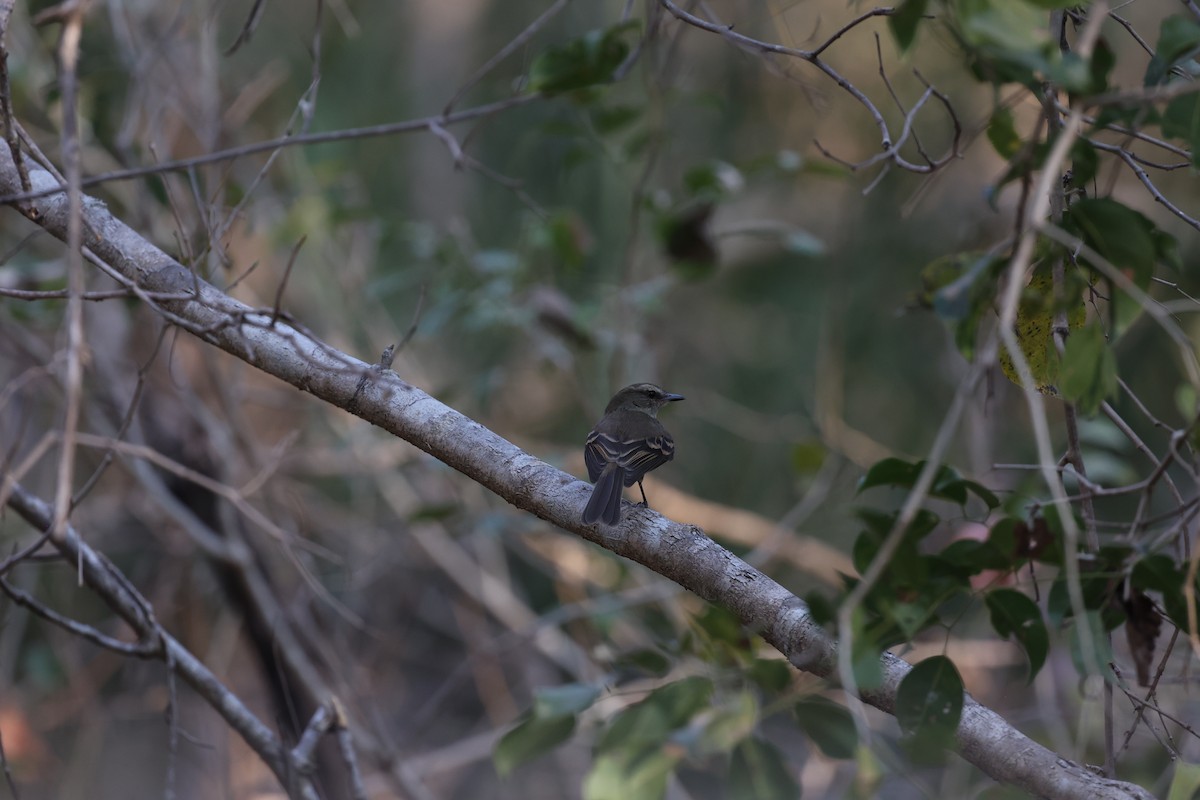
(645,502)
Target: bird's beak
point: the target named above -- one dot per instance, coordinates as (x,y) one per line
(674,397)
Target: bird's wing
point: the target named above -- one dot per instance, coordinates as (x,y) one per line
(596,455)
(635,457)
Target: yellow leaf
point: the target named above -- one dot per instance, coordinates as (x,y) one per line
(1034,328)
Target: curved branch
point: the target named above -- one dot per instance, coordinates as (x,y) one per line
(889,146)
(683,554)
(110,584)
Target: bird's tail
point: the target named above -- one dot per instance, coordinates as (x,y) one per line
(605,502)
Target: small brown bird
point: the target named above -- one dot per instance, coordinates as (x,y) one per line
(626,443)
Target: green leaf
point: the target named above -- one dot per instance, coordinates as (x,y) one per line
(1002,133)
(531,738)
(864,657)
(729,724)
(1068,70)
(822,609)
(1009,41)
(1089,370)
(929,700)
(1118,233)
(587,61)
(1014,614)
(647,662)
(772,674)
(947,483)
(645,778)
(613,119)
(869,542)
(1185,782)
(1050,5)
(1166,250)
(1181,120)
(904,22)
(758,771)
(952,283)
(910,618)
(565,236)
(721,625)
(829,725)
(1011,27)
(649,723)
(1157,573)
(877,522)
(807,457)
(1041,302)
(1178,38)
(889,472)
(1096,595)
(713,179)
(983,493)
(1103,61)
(948,486)
(569,699)
(1003,535)
(1085,161)
(974,556)
(1093,622)
(961,289)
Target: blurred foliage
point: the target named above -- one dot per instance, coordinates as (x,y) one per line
(657,215)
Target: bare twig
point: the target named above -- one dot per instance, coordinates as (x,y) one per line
(287,273)
(145,649)
(1131,162)
(233,153)
(1144,96)
(514,44)
(24,553)
(10,127)
(889,147)
(111,585)
(68,56)
(346,747)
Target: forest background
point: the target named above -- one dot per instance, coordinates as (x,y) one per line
(819,222)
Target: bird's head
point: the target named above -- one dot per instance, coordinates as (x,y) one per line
(644,397)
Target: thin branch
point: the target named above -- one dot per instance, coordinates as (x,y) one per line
(1140,97)
(68,56)
(144,649)
(812,56)
(1144,177)
(24,553)
(64,294)
(120,595)
(248,27)
(287,273)
(233,153)
(346,747)
(515,44)
(10,128)
(130,409)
